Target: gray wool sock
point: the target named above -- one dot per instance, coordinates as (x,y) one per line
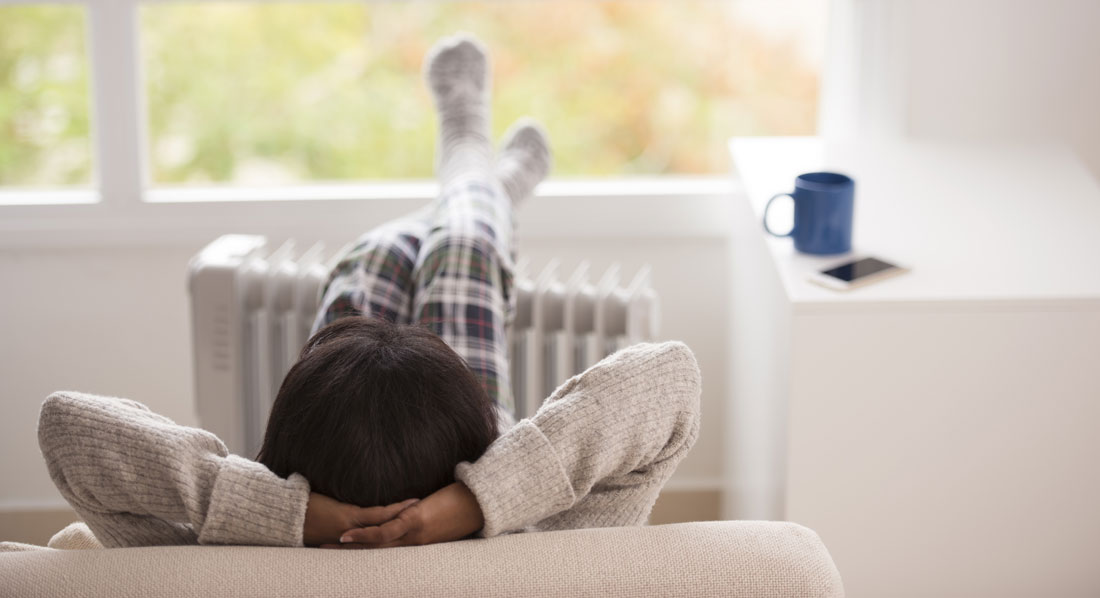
(524,160)
(457,72)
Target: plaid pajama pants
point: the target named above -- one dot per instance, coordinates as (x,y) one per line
(449,268)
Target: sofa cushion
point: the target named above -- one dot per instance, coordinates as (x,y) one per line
(720,558)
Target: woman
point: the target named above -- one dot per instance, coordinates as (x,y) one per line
(381,405)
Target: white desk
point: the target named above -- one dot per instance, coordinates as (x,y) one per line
(941,429)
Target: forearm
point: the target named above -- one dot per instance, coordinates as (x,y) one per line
(137,478)
(625,423)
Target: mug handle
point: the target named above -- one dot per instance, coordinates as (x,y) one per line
(768,207)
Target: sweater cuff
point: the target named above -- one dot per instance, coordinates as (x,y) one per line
(251,505)
(519,481)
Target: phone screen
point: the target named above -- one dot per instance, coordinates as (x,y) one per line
(858,269)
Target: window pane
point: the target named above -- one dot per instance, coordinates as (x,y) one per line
(283,92)
(44,107)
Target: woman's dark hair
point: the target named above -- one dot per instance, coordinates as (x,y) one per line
(375,412)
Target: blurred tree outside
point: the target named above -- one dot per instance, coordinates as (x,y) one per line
(272,93)
(44,98)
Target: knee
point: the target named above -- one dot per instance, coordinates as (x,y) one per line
(469,254)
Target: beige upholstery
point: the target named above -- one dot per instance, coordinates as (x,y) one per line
(720,558)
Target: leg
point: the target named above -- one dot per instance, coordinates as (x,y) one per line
(524,160)
(463,273)
(464,282)
(376,277)
(457,73)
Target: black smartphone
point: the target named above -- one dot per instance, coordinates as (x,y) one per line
(856,273)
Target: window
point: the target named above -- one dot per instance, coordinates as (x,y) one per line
(44,102)
(247,95)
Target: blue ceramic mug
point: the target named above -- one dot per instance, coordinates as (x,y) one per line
(823,208)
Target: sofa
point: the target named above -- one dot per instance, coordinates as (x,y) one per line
(717,558)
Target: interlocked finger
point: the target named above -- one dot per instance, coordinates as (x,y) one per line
(380,515)
(379,534)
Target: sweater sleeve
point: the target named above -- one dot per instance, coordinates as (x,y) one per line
(138,479)
(598,450)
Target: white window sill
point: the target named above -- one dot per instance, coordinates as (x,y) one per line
(636,207)
(425,190)
(11,198)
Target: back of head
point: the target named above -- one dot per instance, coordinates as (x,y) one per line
(374,413)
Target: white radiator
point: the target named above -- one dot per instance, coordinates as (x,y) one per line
(252,309)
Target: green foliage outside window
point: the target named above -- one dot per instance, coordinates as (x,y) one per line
(44,99)
(274,92)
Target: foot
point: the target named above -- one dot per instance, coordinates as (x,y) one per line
(457,69)
(524,160)
(457,73)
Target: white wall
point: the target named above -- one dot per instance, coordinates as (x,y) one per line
(109,316)
(107,320)
(966,70)
(1005,69)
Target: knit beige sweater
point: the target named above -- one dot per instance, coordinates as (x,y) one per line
(596,454)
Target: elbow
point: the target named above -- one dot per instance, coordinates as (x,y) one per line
(53,420)
(683,379)
(686,395)
(54,431)
(683,371)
